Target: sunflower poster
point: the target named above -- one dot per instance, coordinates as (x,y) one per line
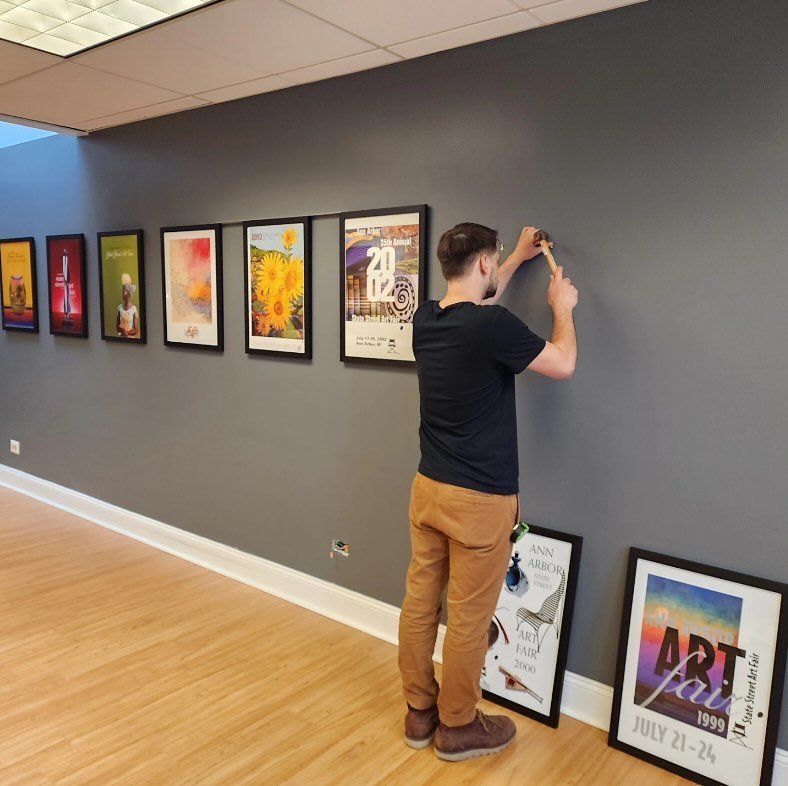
(277,256)
(192,277)
(382,276)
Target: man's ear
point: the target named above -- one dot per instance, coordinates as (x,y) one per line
(484,264)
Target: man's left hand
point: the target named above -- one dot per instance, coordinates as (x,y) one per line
(525,248)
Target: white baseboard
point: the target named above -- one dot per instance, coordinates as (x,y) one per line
(585,699)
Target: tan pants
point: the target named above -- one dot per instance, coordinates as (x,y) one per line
(461,537)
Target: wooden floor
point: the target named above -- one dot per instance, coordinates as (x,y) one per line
(121,664)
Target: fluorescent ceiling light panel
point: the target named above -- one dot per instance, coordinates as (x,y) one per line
(65,27)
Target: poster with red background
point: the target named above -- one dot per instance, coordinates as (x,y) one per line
(67,285)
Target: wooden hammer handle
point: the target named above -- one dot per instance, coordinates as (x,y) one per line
(548,255)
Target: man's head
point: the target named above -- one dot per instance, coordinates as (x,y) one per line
(470,251)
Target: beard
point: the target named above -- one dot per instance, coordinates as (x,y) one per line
(492,286)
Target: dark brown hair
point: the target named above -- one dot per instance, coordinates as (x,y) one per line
(459,247)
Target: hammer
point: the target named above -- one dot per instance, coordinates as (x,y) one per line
(542,239)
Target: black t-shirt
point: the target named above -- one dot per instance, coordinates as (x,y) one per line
(466,358)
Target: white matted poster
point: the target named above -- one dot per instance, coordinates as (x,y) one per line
(700,671)
(529,634)
(191,259)
(382,277)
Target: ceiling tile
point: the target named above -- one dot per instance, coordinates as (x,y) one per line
(253,88)
(136,13)
(5,7)
(157,57)
(571,9)
(12,33)
(16,61)
(504,25)
(68,94)
(171,7)
(390,21)
(59,9)
(266,35)
(57,46)
(143,113)
(93,5)
(345,65)
(104,24)
(24,17)
(77,35)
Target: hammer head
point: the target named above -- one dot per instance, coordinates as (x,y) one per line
(540,236)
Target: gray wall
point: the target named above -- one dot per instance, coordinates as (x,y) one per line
(648,140)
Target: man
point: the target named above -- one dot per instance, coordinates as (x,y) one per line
(464,499)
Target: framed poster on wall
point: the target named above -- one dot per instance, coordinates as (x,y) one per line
(18,274)
(382,282)
(278,288)
(122,285)
(67,285)
(701,665)
(191,276)
(529,635)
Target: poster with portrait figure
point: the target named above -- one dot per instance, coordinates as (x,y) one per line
(122,286)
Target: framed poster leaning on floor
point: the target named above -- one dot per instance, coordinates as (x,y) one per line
(529,634)
(701,665)
(382,275)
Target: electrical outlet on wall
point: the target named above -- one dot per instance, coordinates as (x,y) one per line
(15,447)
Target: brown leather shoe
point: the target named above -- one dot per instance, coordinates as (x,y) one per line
(484,735)
(420,726)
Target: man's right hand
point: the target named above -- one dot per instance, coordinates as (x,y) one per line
(561,294)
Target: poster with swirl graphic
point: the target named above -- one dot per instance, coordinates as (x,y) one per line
(528,638)
(191,276)
(701,669)
(382,282)
(278,291)
(67,284)
(18,275)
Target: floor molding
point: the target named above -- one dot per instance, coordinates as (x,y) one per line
(585,699)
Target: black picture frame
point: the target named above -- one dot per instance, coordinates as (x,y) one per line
(217,230)
(625,658)
(567,613)
(422,211)
(140,255)
(80,238)
(306,222)
(6,325)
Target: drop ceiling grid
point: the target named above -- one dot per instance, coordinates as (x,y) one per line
(158,72)
(67,26)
